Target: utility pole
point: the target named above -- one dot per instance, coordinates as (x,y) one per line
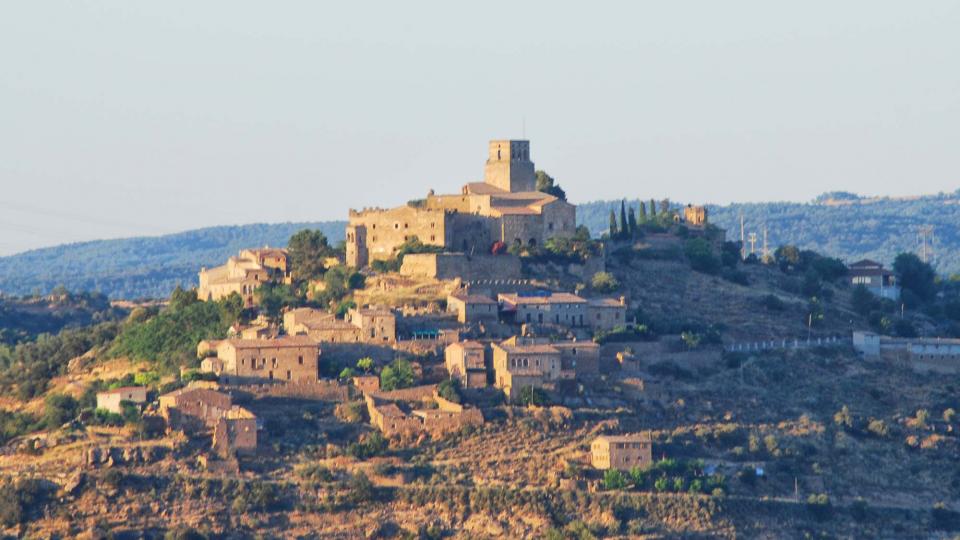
(753,243)
(766,252)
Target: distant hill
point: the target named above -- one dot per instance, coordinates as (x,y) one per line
(144,266)
(839,224)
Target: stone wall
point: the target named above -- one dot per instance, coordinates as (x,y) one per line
(322,390)
(459,265)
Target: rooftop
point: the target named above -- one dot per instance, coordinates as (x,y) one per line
(635,437)
(542,299)
(281,342)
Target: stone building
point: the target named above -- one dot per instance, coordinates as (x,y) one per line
(920,353)
(243,274)
(235,433)
(465,361)
(194,407)
(112,400)
(563,309)
(393,417)
(289,358)
(366,383)
(607,313)
(504,207)
(622,452)
(472,308)
(541,363)
(371,325)
(695,215)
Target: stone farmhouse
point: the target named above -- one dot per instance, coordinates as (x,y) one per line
(243,274)
(288,358)
(471,308)
(877,279)
(235,433)
(201,406)
(112,400)
(541,363)
(371,325)
(390,413)
(563,309)
(622,452)
(194,407)
(505,207)
(465,361)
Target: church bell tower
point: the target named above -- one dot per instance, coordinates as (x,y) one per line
(509,167)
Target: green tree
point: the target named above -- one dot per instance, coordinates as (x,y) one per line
(862,300)
(306,250)
(604,282)
(701,257)
(624,225)
(614,479)
(653,210)
(345,373)
(58,410)
(365,363)
(273,297)
(613,225)
(449,389)
(643,211)
(632,221)
(531,395)
(665,208)
(181,298)
(398,374)
(546,184)
(916,276)
(356,281)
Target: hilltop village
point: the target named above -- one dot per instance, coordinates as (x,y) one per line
(476,365)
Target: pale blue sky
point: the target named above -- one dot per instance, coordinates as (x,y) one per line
(127,118)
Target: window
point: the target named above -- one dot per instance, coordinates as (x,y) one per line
(300,360)
(288,374)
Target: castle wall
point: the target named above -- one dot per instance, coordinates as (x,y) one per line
(458,265)
(373,235)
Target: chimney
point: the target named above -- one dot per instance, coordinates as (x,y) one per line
(623,300)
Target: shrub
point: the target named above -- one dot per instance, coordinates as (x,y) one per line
(374,444)
(531,395)
(398,374)
(701,257)
(773,303)
(661,484)
(604,282)
(614,479)
(878,428)
(449,389)
(21,500)
(58,410)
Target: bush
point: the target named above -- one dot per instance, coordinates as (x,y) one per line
(397,375)
(943,518)
(774,303)
(701,257)
(374,444)
(58,410)
(531,395)
(614,479)
(449,389)
(604,282)
(21,500)
(859,509)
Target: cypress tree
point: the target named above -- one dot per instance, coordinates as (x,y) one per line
(624,226)
(613,224)
(632,216)
(643,211)
(653,209)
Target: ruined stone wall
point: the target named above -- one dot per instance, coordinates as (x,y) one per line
(414,393)
(322,390)
(268,363)
(375,234)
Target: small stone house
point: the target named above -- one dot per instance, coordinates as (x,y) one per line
(194,407)
(472,307)
(607,313)
(465,361)
(235,433)
(366,383)
(111,400)
(371,325)
(622,452)
(541,363)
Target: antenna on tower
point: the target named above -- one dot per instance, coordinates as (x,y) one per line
(766,252)
(743,244)
(753,243)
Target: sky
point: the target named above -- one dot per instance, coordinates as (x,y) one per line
(122,118)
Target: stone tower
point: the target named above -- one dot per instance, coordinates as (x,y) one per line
(509,167)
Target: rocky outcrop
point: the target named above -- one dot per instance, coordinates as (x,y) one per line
(108,456)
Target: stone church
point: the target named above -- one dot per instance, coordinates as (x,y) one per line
(505,207)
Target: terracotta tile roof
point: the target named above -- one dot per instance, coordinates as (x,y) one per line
(554,298)
(636,437)
(286,341)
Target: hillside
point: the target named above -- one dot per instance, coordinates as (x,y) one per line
(840,225)
(143,266)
